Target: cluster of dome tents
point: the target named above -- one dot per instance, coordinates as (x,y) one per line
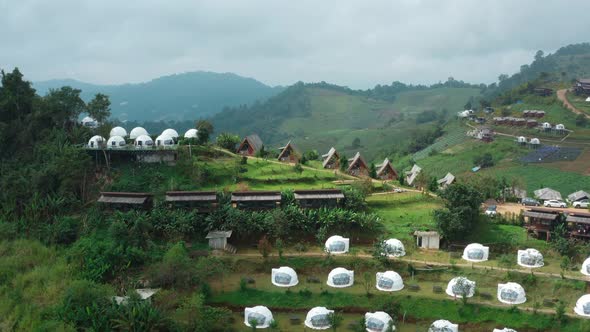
(140,137)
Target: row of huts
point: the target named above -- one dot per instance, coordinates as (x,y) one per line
(540,222)
(412,176)
(207,201)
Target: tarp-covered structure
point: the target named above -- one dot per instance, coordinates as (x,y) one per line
(586,267)
(389,281)
(378,321)
(318,318)
(394,248)
(337,244)
(340,278)
(531,258)
(442,325)
(511,293)
(582,307)
(461,286)
(545,194)
(476,252)
(284,276)
(259,315)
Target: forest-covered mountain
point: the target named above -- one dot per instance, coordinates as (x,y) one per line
(185,96)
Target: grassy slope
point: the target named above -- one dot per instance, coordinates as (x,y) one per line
(337,118)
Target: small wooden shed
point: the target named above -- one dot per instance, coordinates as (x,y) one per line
(218,239)
(318,198)
(357,166)
(126,200)
(427,239)
(289,153)
(331,160)
(250,145)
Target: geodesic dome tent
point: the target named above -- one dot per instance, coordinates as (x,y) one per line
(118,131)
(337,244)
(96,142)
(535,141)
(340,278)
(582,307)
(89,122)
(136,132)
(521,139)
(143,142)
(191,133)
(460,286)
(318,318)
(389,281)
(504,330)
(284,276)
(530,258)
(586,267)
(394,248)
(259,314)
(476,252)
(164,141)
(116,142)
(170,132)
(378,321)
(442,325)
(511,293)
(546,125)
(560,127)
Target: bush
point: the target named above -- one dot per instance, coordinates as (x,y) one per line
(175,269)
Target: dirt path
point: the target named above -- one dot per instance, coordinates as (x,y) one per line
(562,95)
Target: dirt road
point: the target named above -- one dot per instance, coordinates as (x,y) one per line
(561,95)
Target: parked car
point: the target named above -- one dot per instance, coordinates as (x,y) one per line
(554,203)
(527,201)
(491,211)
(581,204)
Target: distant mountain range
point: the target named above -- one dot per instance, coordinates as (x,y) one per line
(187,96)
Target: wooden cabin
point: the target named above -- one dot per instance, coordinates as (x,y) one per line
(202,201)
(256,200)
(331,160)
(578,224)
(446,181)
(582,86)
(531,123)
(126,200)
(544,92)
(357,166)
(385,171)
(289,153)
(540,222)
(250,145)
(319,198)
(413,174)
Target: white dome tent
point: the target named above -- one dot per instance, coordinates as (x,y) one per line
(476,252)
(89,122)
(170,132)
(531,258)
(586,267)
(442,325)
(460,286)
(394,248)
(191,133)
(318,318)
(143,142)
(506,329)
(136,132)
(511,293)
(582,307)
(521,139)
(378,321)
(260,314)
(118,131)
(164,141)
(389,281)
(116,142)
(588,99)
(560,127)
(96,142)
(546,125)
(535,141)
(340,278)
(337,244)
(284,276)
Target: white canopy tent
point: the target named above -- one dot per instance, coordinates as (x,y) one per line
(461,286)
(136,132)
(389,281)
(337,244)
(442,325)
(118,131)
(378,321)
(340,278)
(170,132)
(284,276)
(143,142)
(582,307)
(476,252)
(511,293)
(116,142)
(586,267)
(394,248)
(318,318)
(504,330)
(259,314)
(164,141)
(96,142)
(191,133)
(531,258)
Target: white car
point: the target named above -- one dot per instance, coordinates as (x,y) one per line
(554,203)
(491,211)
(583,204)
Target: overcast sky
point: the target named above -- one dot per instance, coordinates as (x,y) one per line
(349,42)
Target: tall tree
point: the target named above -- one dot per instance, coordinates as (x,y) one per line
(205,129)
(461,212)
(63,106)
(99,108)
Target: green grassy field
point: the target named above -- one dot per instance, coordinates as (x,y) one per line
(579,102)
